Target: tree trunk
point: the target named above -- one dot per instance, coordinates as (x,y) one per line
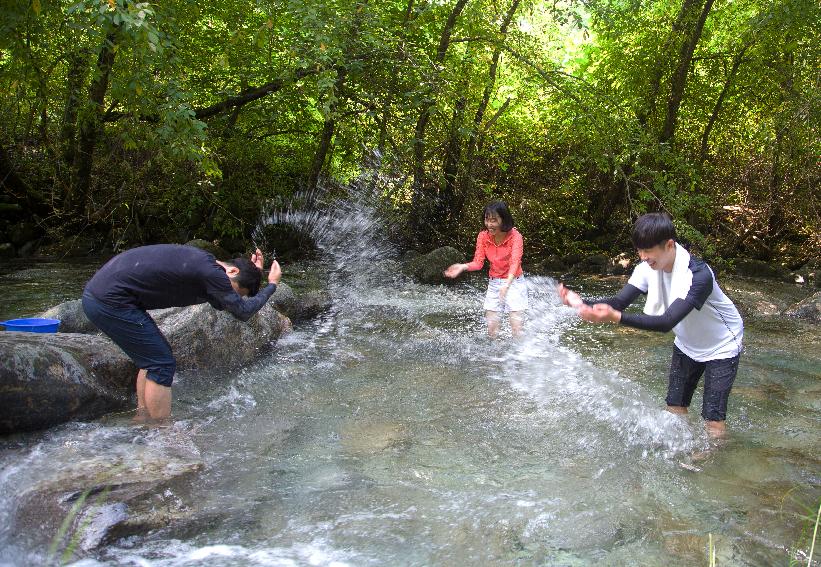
(77,70)
(467,185)
(424,117)
(77,198)
(325,138)
(662,63)
(705,137)
(679,79)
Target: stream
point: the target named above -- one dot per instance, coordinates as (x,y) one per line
(390,431)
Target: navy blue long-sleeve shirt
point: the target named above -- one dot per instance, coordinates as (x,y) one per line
(171,275)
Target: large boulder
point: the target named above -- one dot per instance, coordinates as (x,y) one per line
(72,317)
(300,307)
(428,268)
(46,379)
(759,269)
(102,490)
(808,309)
(202,337)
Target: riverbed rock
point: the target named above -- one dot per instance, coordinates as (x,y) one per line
(300,307)
(202,337)
(108,491)
(760,269)
(7,251)
(593,264)
(47,379)
(428,268)
(72,317)
(808,309)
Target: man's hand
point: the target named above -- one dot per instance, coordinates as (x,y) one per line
(256,259)
(275,273)
(454,270)
(569,297)
(599,313)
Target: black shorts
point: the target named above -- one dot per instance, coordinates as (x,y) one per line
(719,376)
(134,331)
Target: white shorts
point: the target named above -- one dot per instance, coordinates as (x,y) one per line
(516,299)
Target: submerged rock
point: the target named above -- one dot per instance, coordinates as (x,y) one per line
(99,494)
(429,268)
(808,309)
(300,307)
(46,379)
(202,337)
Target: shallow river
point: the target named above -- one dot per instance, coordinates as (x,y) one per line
(390,431)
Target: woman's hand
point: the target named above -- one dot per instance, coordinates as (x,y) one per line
(454,270)
(503,292)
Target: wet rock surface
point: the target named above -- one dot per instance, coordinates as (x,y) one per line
(428,268)
(46,379)
(107,489)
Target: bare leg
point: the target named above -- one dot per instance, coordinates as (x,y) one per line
(141,389)
(517,323)
(677,410)
(492,323)
(157,400)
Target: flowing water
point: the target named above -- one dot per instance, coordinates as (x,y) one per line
(391,431)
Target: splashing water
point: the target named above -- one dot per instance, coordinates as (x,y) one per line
(390,430)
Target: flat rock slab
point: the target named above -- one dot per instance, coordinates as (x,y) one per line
(46,379)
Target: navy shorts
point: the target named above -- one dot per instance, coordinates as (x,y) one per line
(719,376)
(134,331)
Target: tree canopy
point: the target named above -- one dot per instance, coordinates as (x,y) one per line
(148,121)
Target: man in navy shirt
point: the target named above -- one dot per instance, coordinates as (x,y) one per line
(168,275)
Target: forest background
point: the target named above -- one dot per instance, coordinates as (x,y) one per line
(126,122)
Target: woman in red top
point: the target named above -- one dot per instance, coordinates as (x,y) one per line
(502,245)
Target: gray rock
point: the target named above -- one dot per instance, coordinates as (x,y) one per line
(809,309)
(47,379)
(300,307)
(810,273)
(7,250)
(199,335)
(429,268)
(551,265)
(106,493)
(72,317)
(759,269)
(202,337)
(593,264)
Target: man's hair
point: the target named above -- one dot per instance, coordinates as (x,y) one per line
(652,229)
(499,208)
(249,275)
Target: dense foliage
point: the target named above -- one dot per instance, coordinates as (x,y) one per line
(135,121)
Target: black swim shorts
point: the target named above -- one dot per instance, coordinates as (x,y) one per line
(719,376)
(134,331)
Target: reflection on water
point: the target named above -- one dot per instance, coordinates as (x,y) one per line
(390,431)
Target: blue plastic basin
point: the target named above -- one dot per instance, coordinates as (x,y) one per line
(32,325)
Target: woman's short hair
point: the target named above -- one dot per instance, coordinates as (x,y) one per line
(652,229)
(249,276)
(499,208)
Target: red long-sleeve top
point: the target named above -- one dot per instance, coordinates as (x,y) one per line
(505,258)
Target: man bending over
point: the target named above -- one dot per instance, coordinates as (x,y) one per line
(168,275)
